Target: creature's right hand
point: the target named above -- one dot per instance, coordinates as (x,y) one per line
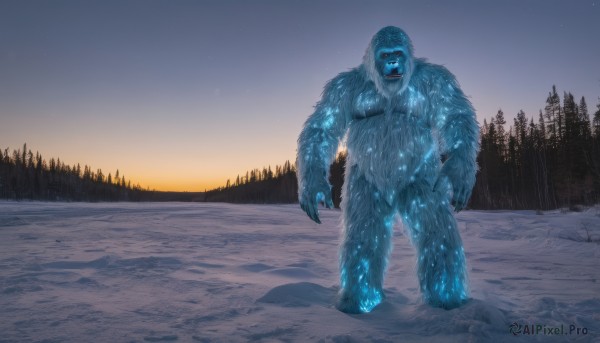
(312,196)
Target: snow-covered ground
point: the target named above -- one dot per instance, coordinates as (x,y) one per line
(201,272)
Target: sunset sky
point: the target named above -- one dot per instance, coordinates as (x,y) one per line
(182,95)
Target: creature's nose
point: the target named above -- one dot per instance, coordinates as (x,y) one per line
(392,63)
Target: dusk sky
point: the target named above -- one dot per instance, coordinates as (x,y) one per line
(182,95)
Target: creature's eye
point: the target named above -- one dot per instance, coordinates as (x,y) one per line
(398,53)
(384,55)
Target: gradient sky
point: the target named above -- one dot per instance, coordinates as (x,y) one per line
(182,95)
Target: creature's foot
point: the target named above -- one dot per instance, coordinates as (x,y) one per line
(447,304)
(445,294)
(352,303)
(347,304)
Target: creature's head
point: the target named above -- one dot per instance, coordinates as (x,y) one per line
(389,60)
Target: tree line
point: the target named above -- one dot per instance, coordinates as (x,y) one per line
(549,163)
(24,175)
(281,186)
(259,186)
(545,164)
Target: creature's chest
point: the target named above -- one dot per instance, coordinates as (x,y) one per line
(369,103)
(387,134)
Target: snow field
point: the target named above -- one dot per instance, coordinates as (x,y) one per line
(202,272)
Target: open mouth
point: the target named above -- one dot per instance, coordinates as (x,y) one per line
(394,74)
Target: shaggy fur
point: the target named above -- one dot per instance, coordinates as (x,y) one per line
(398,130)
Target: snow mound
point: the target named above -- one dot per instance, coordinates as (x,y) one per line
(301,294)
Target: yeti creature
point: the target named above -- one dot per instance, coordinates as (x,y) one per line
(403,116)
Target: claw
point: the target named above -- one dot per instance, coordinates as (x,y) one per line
(329,203)
(314,212)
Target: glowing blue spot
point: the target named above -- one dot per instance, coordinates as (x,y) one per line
(389,221)
(328,122)
(457,144)
(320,197)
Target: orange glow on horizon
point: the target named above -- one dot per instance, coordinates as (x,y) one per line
(178,185)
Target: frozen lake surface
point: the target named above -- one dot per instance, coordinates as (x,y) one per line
(202,272)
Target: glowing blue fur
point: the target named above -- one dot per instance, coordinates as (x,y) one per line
(397,129)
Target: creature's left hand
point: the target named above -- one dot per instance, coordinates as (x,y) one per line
(312,195)
(462,183)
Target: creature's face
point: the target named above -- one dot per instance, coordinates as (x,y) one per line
(389,61)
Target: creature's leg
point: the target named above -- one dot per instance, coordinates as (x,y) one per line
(365,246)
(441,259)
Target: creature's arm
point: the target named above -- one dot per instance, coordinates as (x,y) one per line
(459,131)
(318,143)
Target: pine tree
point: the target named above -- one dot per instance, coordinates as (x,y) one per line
(558,113)
(542,129)
(24,156)
(595,160)
(500,133)
(521,127)
(30,162)
(512,165)
(550,120)
(596,121)
(571,126)
(585,129)
(484,129)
